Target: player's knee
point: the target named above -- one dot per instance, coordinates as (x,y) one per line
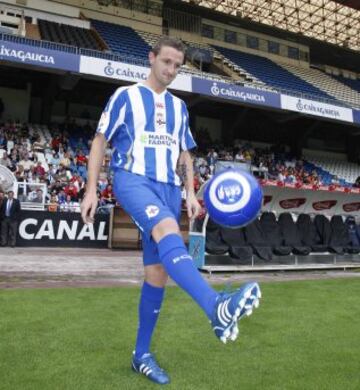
(165,227)
(156,275)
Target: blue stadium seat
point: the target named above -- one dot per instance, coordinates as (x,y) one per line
(353,84)
(270,73)
(121,39)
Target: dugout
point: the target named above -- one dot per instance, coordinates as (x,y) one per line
(215,249)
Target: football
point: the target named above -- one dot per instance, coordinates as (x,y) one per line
(233,198)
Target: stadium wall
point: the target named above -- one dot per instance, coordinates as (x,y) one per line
(43,5)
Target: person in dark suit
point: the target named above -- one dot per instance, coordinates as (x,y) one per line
(2,200)
(10,213)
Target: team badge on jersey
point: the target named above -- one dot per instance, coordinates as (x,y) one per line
(152,211)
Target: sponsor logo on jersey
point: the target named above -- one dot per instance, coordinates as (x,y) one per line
(151,139)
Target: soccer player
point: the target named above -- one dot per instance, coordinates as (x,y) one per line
(148,128)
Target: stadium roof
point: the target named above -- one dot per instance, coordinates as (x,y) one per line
(336,22)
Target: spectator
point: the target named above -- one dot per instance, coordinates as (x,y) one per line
(6,161)
(57,187)
(2,200)
(53,205)
(69,205)
(81,192)
(55,160)
(239,157)
(10,213)
(26,163)
(38,146)
(39,169)
(72,191)
(81,158)
(66,160)
(212,158)
(108,195)
(61,196)
(39,198)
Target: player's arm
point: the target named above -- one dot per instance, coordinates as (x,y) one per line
(89,203)
(186,164)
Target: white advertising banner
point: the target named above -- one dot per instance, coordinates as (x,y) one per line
(282,199)
(127,72)
(312,107)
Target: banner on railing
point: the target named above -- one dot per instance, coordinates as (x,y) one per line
(43,228)
(235,92)
(312,107)
(38,56)
(127,72)
(293,200)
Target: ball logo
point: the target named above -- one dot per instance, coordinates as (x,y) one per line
(229,192)
(215,89)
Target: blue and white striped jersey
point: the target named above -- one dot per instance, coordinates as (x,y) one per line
(147,131)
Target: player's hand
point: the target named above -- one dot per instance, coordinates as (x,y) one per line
(88,207)
(193,206)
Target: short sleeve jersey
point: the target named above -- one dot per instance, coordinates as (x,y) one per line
(147,132)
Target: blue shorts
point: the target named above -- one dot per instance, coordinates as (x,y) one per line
(147,202)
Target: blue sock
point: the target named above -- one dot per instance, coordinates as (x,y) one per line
(149,309)
(180,267)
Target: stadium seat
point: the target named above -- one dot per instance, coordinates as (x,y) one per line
(214,244)
(273,234)
(259,242)
(239,250)
(291,235)
(273,74)
(339,240)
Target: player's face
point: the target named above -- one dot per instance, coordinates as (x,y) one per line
(166,64)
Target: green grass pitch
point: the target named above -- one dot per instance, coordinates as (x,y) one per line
(305,335)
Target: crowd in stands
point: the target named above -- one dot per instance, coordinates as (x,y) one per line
(59,163)
(273,163)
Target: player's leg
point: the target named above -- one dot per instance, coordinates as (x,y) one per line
(224,309)
(179,265)
(152,294)
(151,298)
(144,200)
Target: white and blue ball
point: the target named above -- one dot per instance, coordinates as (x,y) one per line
(233,198)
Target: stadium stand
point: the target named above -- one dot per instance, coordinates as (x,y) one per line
(345,171)
(325,83)
(130,44)
(353,84)
(272,74)
(66,34)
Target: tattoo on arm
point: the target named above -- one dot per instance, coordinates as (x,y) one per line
(183,172)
